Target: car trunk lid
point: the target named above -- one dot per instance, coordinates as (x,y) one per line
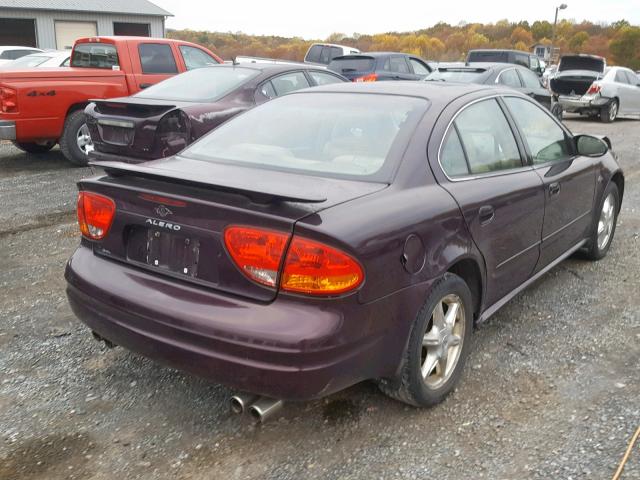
(171,215)
(576,73)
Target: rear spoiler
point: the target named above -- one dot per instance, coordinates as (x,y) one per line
(130,103)
(271,186)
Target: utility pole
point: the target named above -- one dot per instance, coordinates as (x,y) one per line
(562,6)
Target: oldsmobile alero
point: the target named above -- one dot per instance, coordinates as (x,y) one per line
(340,234)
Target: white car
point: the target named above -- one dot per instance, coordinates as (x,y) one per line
(584,84)
(41,60)
(323,53)
(9,54)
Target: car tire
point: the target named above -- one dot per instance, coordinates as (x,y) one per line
(431,337)
(604,224)
(35,148)
(609,112)
(75,142)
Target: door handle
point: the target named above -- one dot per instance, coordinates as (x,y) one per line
(486,214)
(145,85)
(554,189)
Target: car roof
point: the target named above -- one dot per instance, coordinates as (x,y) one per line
(275,67)
(499,50)
(13,47)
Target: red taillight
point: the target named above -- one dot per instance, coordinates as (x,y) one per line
(256,252)
(593,89)
(8,100)
(95,214)
(310,267)
(317,269)
(372,77)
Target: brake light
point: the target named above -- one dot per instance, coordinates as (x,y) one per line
(95,214)
(8,100)
(317,269)
(310,267)
(372,77)
(594,88)
(256,252)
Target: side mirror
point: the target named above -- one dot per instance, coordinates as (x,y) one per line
(590,146)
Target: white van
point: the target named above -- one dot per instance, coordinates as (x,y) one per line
(323,53)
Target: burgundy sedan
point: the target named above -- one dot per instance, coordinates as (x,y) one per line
(339,234)
(164,118)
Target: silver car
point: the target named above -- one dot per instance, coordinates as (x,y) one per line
(584,84)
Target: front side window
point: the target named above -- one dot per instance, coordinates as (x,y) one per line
(322,78)
(546,140)
(534,63)
(510,78)
(289,82)
(196,58)
(530,79)
(344,135)
(95,55)
(418,67)
(157,58)
(487,138)
(335,52)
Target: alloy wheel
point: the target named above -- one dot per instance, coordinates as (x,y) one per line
(442,342)
(85,144)
(613,111)
(606,221)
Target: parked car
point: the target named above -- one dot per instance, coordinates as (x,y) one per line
(339,234)
(526,59)
(380,66)
(50,59)
(41,107)
(324,53)
(548,73)
(585,85)
(514,76)
(163,119)
(9,54)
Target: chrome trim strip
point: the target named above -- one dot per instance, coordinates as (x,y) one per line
(517,254)
(500,303)
(544,239)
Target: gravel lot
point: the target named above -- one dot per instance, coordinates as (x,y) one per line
(551,390)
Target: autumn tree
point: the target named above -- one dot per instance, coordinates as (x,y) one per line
(625,47)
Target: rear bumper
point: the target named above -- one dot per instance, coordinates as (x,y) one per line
(291,348)
(7,130)
(575,104)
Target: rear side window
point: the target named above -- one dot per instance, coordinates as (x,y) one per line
(313,55)
(510,78)
(289,82)
(452,157)
(322,78)
(546,140)
(157,58)
(633,79)
(529,79)
(487,139)
(335,52)
(621,77)
(196,58)
(398,64)
(325,55)
(95,55)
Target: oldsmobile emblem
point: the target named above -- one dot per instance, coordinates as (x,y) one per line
(163,211)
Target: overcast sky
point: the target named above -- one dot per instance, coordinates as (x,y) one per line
(318,19)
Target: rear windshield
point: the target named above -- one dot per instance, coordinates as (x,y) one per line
(357,64)
(29,61)
(499,57)
(344,135)
(456,75)
(95,55)
(199,85)
(581,63)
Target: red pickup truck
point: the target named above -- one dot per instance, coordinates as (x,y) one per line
(44,106)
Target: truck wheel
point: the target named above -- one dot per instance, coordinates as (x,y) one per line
(75,141)
(36,148)
(609,112)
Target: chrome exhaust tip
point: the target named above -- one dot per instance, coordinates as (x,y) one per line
(241,402)
(265,408)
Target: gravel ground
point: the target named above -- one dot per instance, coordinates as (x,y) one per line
(551,389)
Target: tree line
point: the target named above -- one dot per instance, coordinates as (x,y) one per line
(618,42)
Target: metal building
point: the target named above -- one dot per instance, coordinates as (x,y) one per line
(55,24)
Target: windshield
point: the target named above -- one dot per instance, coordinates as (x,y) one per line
(581,63)
(352,64)
(206,84)
(95,55)
(488,56)
(340,135)
(456,75)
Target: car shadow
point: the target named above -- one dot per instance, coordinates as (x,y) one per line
(14,161)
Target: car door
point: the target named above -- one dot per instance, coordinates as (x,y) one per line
(634,92)
(569,180)
(624,92)
(153,62)
(532,86)
(500,197)
(397,68)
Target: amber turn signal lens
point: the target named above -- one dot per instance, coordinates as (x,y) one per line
(95,214)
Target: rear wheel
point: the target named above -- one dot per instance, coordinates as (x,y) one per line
(76,143)
(604,224)
(438,346)
(609,112)
(32,147)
